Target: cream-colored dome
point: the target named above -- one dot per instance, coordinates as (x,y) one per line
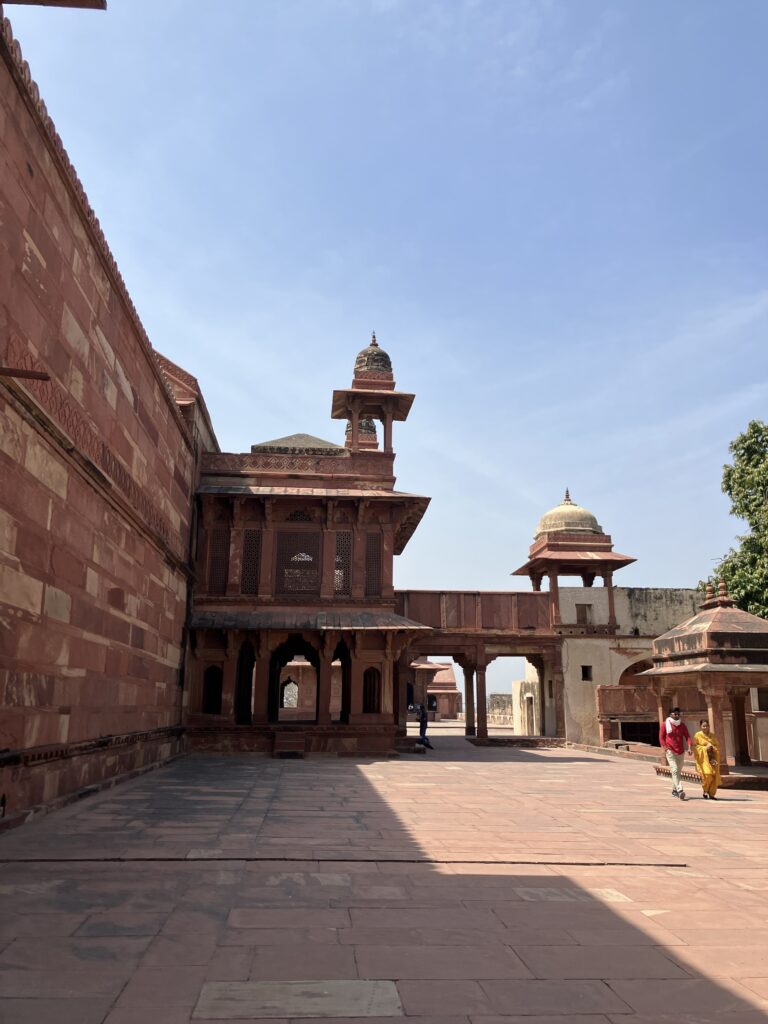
(568,517)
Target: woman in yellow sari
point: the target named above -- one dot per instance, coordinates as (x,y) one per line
(707,754)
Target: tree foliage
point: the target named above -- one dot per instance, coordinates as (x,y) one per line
(745,481)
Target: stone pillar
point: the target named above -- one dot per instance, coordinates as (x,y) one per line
(740,735)
(387,559)
(228,682)
(554,672)
(608,583)
(469,700)
(324,690)
(354,437)
(261,690)
(328,576)
(554,599)
(358,564)
(482,711)
(716,705)
(235,561)
(387,432)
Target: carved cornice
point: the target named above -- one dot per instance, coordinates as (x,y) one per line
(10,49)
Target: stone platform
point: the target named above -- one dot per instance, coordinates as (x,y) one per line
(469,885)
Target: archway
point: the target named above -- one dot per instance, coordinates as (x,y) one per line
(295,645)
(246,660)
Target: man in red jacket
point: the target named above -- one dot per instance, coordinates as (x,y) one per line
(674,737)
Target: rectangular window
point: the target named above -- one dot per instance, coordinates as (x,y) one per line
(249,578)
(298,564)
(218,560)
(373,565)
(583,614)
(762,698)
(342,575)
(586,673)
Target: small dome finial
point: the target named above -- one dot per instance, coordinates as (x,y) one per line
(567,498)
(722,589)
(710,593)
(373,339)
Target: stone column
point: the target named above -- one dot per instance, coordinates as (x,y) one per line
(328,576)
(740,736)
(387,432)
(228,682)
(554,599)
(324,689)
(716,705)
(553,669)
(482,712)
(261,689)
(469,700)
(608,583)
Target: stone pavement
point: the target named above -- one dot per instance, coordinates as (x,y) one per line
(467,886)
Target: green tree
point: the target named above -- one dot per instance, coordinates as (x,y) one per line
(745,481)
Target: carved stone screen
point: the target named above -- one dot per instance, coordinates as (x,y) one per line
(373,565)
(249,580)
(342,576)
(218,561)
(298,564)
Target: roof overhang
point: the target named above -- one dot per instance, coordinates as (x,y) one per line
(575,562)
(707,668)
(371,403)
(300,620)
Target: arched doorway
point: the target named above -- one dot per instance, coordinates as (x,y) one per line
(294,646)
(244,684)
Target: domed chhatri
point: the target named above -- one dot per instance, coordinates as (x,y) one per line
(568,517)
(373,360)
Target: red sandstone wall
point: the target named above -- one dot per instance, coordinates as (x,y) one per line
(96,472)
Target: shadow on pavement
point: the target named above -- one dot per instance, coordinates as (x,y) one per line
(249,889)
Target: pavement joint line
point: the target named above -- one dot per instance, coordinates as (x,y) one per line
(340,860)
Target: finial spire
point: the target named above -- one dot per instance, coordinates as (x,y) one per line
(567,498)
(722,589)
(373,339)
(710,593)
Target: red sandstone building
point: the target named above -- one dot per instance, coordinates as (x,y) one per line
(158,595)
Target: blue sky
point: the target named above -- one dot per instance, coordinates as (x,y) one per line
(552,213)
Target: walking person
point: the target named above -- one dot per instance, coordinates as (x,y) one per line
(673,739)
(423,722)
(707,754)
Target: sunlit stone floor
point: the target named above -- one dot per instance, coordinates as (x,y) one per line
(468,885)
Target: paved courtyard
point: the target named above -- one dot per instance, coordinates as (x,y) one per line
(470,885)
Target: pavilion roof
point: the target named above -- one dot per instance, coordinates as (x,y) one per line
(300,444)
(719,639)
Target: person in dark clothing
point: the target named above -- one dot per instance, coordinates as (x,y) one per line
(423,722)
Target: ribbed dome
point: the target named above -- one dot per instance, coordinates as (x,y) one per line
(373,358)
(568,517)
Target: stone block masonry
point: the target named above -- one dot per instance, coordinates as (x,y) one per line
(97,471)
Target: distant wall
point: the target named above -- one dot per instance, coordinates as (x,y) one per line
(650,610)
(97,473)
